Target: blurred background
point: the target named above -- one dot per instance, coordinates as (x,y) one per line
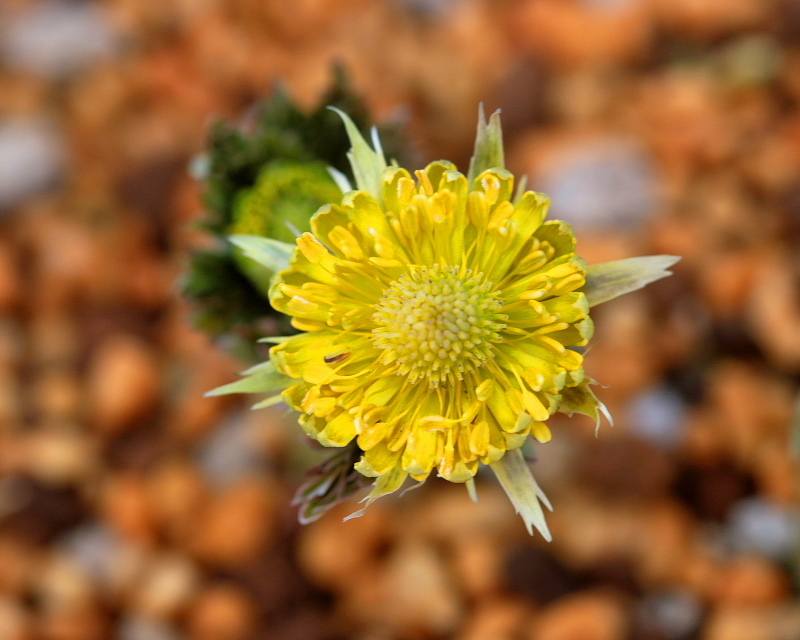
(132,508)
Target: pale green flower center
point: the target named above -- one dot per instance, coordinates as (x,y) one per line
(437,323)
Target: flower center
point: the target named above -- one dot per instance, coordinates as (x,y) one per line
(437,323)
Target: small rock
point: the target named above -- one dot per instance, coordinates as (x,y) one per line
(478,565)
(177,494)
(64,585)
(658,414)
(61,456)
(167,587)
(222,612)
(87,623)
(582,616)
(31,159)
(230,453)
(419,594)
(144,629)
(332,552)
(125,506)
(752,582)
(759,526)
(124,382)
(495,620)
(57,395)
(606,184)
(56,38)
(15,621)
(669,616)
(237,524)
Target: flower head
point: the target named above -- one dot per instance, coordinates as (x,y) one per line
(440,321)
(443,319)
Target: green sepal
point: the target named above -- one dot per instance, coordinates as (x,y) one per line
(471,490)
(261,378)
(268,402)
(384,484)
(331,482)
(488,152)
(367,164)
(610,280)
(581,399)
(276,339)
(268,252)
(525,494)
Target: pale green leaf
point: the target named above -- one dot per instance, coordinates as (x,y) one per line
(276,339)
(525,494)
(340,179)
(367,165)
(488,152)
(268,252)
(384,485)
(581,399)
(268,402)
(610,280)
(471,490)
(258,379)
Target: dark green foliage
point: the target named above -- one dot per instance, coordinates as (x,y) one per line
(283,133)
(228,304)
(332,481)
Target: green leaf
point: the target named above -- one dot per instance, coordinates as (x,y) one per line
(268,252)
(268,402)
(388,483)
(488,152)
(331,482)
(610,280)
(581,399)
(368,165)
(258,379)
(525,494)
(275,339)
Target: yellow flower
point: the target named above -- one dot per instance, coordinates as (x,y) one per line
(442,321)
(438,326)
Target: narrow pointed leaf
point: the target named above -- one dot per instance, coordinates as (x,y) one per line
(269,253)
(517,481)
(275,339)
(610,280)
(268,402)
(488,152)
(368,165)
(384,485)
(340,179)
(473,493)
(258,379)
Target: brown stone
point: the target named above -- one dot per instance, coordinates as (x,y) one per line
(126,506)
(21,563)
(752,582)
(61,455)
(496,620)
(333,552)
(419,594)
(15,622)
(124,382)
(166,588)
(477,565)
(10,289)
(774,312)
(177,494)
(583,616)
(57,395)
(238,524)
(87,623)
(222,612)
